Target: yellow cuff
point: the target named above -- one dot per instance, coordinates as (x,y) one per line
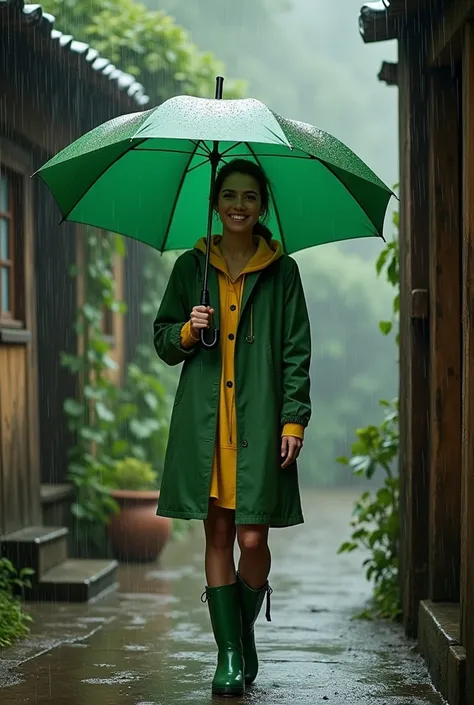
(293,429)
(187,338)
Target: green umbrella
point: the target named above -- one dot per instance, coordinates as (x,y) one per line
(147,175)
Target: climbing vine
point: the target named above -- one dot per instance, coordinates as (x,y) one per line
(376,517)
(91,415)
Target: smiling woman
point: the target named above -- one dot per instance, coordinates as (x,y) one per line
(243,408)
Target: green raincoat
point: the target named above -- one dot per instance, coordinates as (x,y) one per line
(272,358)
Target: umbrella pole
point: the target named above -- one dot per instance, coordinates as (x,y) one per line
(210,337)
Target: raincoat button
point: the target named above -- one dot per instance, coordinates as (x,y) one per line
(231,336)
(244,443)
(233,307)
(229,384)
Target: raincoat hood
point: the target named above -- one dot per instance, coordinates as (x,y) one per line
(266,254)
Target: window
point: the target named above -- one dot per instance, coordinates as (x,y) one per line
(7,244)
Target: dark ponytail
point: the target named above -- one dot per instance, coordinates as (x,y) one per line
(262,230)
(249,168)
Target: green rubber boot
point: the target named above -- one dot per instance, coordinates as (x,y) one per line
(224,610)
(250,605)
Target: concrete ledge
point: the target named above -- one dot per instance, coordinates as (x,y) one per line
(439,644)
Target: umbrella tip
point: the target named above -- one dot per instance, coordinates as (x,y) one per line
(219,87)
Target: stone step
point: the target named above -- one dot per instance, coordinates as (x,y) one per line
(76,580)
(38,547)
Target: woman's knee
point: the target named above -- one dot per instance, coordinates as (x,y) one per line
(252,538)
(220,529)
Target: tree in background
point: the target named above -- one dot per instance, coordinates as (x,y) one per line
(352,364)
(147,44)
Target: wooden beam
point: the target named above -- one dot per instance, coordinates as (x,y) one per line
(414,347)
(444,40)
(388,73)
(467,545)
(445,339)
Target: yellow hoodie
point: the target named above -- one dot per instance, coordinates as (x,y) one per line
(223,483)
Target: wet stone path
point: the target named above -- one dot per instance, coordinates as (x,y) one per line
(150,644)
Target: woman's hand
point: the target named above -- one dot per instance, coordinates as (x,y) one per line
(200,319)
(290,449)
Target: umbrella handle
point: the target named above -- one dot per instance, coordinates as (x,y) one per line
(209,337)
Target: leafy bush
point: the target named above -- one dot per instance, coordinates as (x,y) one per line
(376,522)
(13,618)
(133,474)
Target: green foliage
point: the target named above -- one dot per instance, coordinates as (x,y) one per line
(141,414)
(146,44)
(13,618)
(110,422)
(376,514)
(376,522)
(133,474)
(92,417)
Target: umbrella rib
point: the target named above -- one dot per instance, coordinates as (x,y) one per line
(229,149)
(178,192)
(206,161)
(203,145)
(279,156)
(66,215)
(277,213)
(169,151)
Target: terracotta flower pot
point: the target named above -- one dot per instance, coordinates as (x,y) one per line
(136,533)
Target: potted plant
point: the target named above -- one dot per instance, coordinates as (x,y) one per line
(135,532)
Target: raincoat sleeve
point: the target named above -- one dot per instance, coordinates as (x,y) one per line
(172,316)
(296,351)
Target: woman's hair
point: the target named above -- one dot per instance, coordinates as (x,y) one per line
(245,166)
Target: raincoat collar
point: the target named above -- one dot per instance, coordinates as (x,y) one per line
(266,254)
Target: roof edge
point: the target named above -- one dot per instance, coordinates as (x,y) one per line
(378,22)
(35,17)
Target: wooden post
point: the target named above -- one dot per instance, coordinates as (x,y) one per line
(445,339)
(414,347)
(467,531)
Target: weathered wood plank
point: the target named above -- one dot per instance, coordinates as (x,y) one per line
(14,430)
(445,339)
(467,531)
(414,347)
(34,460)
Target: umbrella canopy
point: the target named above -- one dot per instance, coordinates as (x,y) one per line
(147,175)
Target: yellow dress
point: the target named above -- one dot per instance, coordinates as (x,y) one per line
(224,468)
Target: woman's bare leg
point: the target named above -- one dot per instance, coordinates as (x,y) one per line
(255,557)
(219,528)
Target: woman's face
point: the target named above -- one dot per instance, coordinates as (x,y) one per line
(240,204)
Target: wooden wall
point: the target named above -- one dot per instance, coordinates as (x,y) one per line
(414,330)
(44,105)
(19,448)
(56,307)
